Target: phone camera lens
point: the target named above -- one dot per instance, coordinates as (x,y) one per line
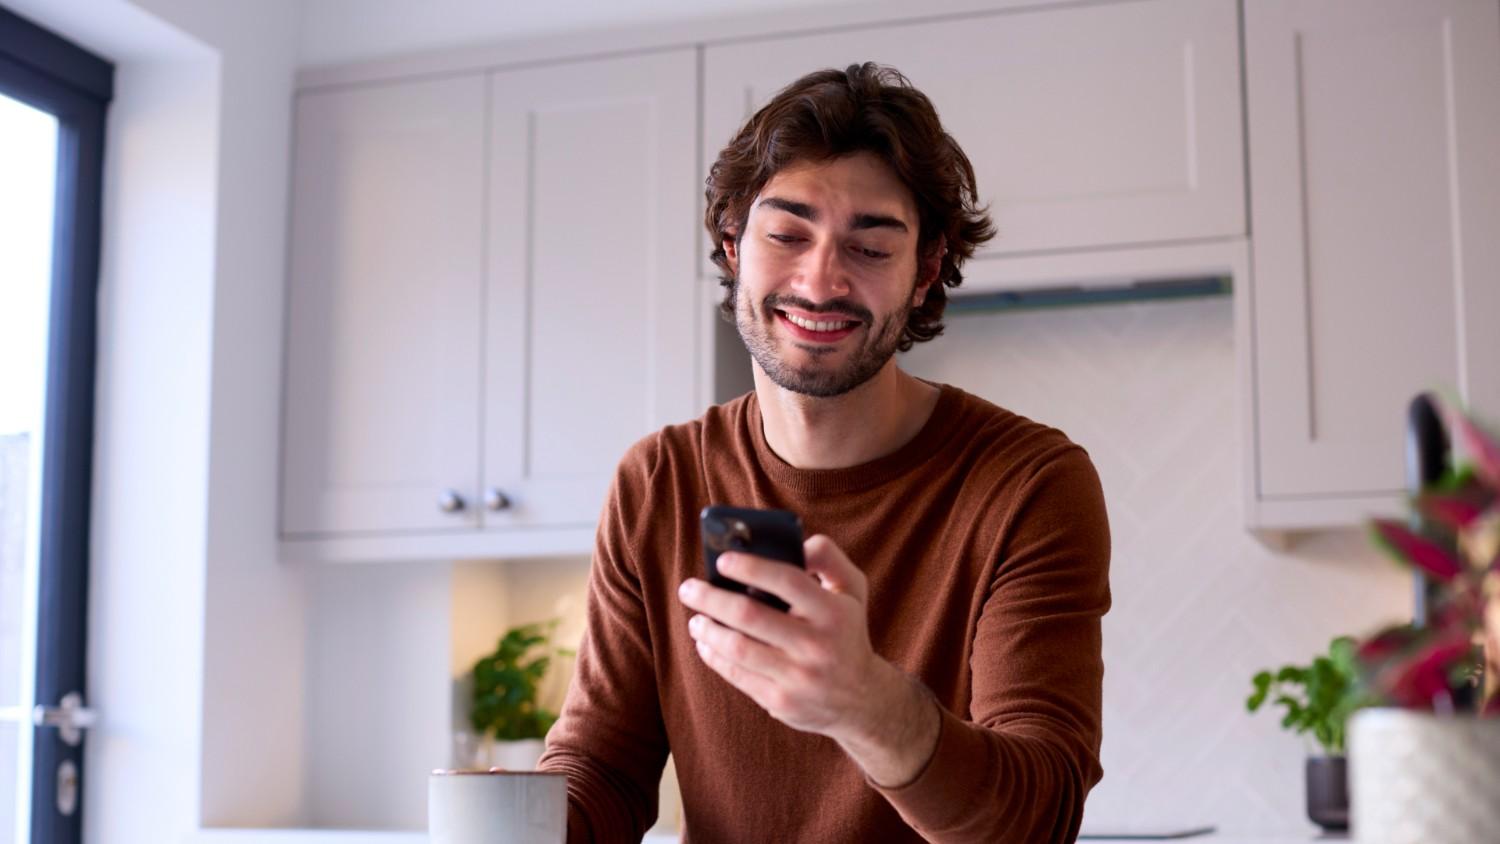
(739,535)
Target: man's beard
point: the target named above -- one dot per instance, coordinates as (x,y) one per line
(880,343)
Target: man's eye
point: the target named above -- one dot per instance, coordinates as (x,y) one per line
(872,253)
(783,238)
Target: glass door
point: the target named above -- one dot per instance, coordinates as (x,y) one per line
(53,96)
(28,174)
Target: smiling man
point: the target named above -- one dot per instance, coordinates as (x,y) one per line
(938,674)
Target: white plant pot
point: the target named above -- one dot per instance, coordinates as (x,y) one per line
(1416,778)
(516,755)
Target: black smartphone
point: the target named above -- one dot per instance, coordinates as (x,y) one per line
(773,534)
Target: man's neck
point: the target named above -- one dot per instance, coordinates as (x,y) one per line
(872,420)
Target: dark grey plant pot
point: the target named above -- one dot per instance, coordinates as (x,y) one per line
(1328,792)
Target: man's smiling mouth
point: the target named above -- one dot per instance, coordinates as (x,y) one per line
(817,330)
(821,325)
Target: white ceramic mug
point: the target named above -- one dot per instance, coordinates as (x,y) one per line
(497,807)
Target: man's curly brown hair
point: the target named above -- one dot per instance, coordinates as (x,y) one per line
(832,113)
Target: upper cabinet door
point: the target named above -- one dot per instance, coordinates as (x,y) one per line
(1099,125)
(382,368)
(1375,175)
(593,300)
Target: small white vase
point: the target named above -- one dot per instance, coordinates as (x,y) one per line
(1417,778)
(516,755)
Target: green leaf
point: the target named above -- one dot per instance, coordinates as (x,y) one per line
(505,683)
(1341,652)
(1317,698)
(1323,732)
(537,667)
(1289,721)
(1262,683)
(1291,674)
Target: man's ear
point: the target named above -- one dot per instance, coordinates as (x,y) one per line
(927,274)
(732,254)
(919,295)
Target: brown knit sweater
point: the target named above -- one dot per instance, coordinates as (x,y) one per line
(986,546)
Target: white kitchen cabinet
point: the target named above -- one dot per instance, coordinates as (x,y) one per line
(593,300)
(1374,143)
(492,296)
(1089,127)
(381,403)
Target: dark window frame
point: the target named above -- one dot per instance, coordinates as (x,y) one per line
(51,73)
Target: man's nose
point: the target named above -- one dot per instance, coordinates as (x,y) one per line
(824,275)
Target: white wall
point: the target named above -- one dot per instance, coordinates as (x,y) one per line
(253,649)
(1199,605)
(190,320)
(151,463)
(378,699)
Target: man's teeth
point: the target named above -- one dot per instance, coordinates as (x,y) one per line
(816,326)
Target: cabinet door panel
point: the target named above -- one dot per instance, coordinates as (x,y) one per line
(592,299)
(1376,199)
(1093,126)
(382,372)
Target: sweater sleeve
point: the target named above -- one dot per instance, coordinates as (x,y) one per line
(1017,766)
(609,738)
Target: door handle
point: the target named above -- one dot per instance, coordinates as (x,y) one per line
(70,717)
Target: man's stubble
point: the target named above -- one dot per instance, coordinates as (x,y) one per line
(879,344)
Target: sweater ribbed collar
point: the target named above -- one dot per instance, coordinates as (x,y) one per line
(916,451)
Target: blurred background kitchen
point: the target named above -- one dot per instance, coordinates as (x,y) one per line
(388,286)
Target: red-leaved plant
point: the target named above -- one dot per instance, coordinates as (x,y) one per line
(1441,666)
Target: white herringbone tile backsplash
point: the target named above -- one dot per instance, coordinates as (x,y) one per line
(1199,604)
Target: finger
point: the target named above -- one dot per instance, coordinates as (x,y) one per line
(742,613)
(758,687)
(738,648)
(833,567)
(787,582)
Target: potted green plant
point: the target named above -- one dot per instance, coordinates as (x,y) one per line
(1318,699)
(1425,766)
(503,709)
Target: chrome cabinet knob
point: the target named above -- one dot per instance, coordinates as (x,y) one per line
(496,500)
(450,501)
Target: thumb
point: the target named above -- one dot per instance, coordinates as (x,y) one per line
(832,567)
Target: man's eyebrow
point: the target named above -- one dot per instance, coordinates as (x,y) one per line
(798,209)
(876,221)
(810,214)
